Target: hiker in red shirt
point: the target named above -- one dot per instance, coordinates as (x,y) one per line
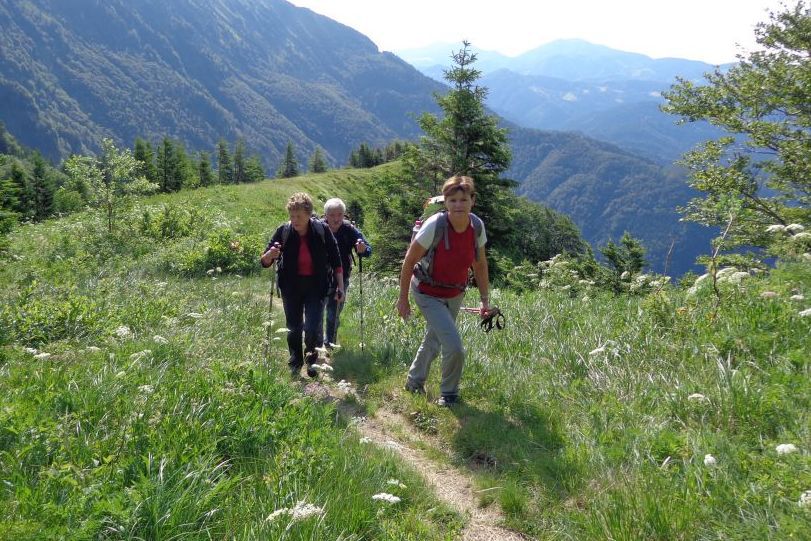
(309,269)
(435,270)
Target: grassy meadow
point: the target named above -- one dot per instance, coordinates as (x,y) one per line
(137,402)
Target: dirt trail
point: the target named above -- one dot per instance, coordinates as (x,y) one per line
(453,486)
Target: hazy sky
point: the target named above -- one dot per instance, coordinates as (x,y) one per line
(705,30)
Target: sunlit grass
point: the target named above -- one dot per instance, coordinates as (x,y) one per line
(157,414)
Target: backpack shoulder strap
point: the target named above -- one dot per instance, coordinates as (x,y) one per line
(478,226)
(286,232)
(318,226)
(440,234)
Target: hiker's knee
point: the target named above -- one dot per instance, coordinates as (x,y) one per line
(453,350)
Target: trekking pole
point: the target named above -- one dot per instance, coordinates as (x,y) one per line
(492,318)
(360,281)
(270,311)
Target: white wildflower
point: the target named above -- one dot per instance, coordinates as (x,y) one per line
(146,389)
(158,339)
(786,449)
(805,499)
(304,510)
(396,483)
(776,228)
(92,349)
(797,297)
(282,330)
(218,269)
(386,497)
(161,284)
(805,235)
(710,460)
(364,439)
(806,312)
(795,228)
(768,295)
(697,397)
(42,356)
(266,324)
(32,351)
(210,272)
(625,275)
(123,332)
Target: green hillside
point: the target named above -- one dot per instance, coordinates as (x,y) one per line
(138,402)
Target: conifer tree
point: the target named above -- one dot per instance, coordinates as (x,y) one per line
(289,166)
(145,154)
(43,188)
(240,176)
(9,196)
(20,191)
(254,171)
(467,141)
(225,167)
(205,176)
(164,165)
(317,162)
(184,174)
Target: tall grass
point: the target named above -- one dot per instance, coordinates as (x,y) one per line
(157,416)
(144,408)
(578,417)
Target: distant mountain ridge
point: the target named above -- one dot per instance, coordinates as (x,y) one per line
(573,85)
(569,59)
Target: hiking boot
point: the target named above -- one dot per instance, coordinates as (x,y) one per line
(414,388)
(447,401)
(311,358)
(294,364)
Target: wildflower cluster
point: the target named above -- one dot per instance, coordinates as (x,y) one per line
(301,511)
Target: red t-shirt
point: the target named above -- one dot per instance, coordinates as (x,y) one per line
(451,266)
(305,258)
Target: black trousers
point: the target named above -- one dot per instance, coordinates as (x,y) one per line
(303,309)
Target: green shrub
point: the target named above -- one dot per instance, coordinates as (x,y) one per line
(223,251)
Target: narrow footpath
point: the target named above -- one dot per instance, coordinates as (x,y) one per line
(453,486)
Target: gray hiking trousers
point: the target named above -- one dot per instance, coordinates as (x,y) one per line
(441,335)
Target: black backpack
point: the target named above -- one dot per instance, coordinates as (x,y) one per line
(321,231)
